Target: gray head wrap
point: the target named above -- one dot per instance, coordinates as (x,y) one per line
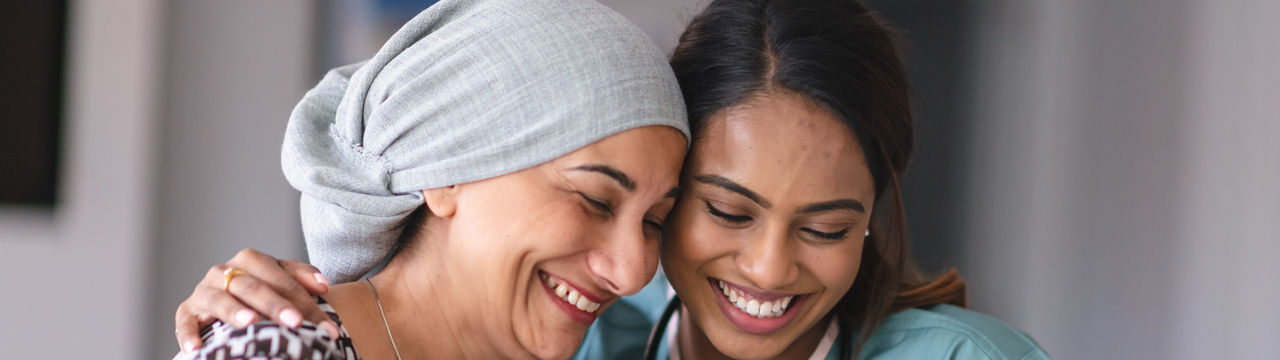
(466,90)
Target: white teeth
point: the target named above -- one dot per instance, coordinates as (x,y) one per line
(571,295)
(760,309)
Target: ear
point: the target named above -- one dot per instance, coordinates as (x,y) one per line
(441,201)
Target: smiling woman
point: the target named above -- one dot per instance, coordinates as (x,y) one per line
(546,246)
(514,207)
(774,229)
(789,241)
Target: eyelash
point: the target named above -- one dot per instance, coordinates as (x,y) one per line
(735,219)
(600,205)
(839,235)
(657,225)
(607,209)
(740,219)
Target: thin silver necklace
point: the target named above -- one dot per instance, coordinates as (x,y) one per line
(384,318)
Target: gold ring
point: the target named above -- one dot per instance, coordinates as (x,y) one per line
(230,273)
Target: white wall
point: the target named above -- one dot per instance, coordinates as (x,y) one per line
(1230,221)
(233,71)
(1124,201)
(75,277)
(663,20)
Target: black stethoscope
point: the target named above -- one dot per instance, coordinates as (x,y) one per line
(660,328)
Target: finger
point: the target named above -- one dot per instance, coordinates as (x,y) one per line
(317,284)
(211,300)
(187,329)
(262,298)
(284,283)
(330,327)
(308,276)
(254,293)
(282,276)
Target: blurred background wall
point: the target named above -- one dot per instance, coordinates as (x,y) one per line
(1103,172)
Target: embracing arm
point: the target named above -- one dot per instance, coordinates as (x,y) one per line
(263,287)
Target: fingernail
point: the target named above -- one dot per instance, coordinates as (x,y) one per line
(323,280)
(189,346)
(244,317)
(332,329)
(291,317)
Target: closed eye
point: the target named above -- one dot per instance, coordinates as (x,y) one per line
(839,235)
(655,225)
(599,205)
(731,218)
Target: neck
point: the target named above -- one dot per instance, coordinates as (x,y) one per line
(424,321)
(694,343)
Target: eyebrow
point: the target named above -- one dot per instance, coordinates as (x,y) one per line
(842,204)
(673,193)
(727,184)
(609,171)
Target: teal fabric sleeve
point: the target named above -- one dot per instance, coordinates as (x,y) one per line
(947,332)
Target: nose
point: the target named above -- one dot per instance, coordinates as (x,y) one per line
(768,261)
(625,261)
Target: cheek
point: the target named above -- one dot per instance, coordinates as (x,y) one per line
(553,228)
(836,268)
(692,239)
(499,228)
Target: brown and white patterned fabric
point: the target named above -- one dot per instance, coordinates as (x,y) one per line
(271,340)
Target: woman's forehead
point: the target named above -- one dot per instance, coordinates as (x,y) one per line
(782,147)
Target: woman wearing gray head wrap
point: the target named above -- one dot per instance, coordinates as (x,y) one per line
(521,153)
(465,91)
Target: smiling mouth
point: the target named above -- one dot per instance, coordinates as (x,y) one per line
(569,295)
(755,307)
(754,311)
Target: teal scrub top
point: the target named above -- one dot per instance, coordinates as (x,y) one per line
(935,332)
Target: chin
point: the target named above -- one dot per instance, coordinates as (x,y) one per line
(557,352)
(745,349)
(560,346)
(753,352)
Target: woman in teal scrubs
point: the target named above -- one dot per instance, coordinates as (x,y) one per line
(788,239)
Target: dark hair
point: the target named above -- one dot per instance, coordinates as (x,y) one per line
(846,59)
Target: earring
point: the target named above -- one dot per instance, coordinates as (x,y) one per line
(867,234)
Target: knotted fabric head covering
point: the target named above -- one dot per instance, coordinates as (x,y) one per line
(466,90)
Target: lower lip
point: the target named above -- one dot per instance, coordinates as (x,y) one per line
(752,324)
(574,313)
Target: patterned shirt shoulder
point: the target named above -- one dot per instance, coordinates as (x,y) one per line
(270,340)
